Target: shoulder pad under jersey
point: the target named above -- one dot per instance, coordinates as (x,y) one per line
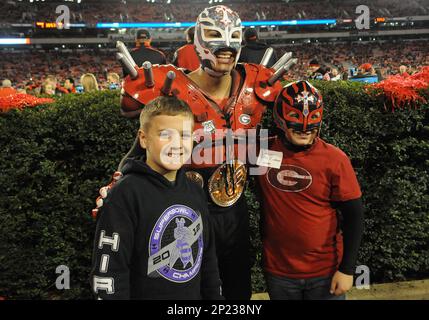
(135,94)
(257,77)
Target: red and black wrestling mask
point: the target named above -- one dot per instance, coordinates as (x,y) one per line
(299,107)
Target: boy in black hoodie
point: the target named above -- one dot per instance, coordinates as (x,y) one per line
(153,237)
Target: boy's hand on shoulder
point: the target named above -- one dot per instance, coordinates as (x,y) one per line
(103,192)
(341,283)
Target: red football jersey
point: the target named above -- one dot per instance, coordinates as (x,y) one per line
(301,238)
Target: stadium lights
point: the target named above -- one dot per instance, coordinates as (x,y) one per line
(116,25)
(7,41)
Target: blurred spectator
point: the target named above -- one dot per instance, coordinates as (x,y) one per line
(313,67)
(366,69)
(52,80)
(6,83)
(381,73)
(344,73)
(403,70)
(186,57)
(6,88)
(69,85)
(326,73)
(144,51)
(32,87)
(254,49)
(335,75)
(317,72)
(113,81)
(89,82)
(52,87)
(48,87)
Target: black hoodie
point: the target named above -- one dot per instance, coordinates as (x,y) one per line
(154,240)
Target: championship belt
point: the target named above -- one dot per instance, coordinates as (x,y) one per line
(227,183)
(195,177)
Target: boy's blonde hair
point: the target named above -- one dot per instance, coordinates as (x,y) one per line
(168,106)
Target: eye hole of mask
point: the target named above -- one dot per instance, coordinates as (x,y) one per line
(315,116)
(236,35)
(293,114)
(212,33)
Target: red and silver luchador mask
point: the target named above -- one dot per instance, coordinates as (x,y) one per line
(217,29)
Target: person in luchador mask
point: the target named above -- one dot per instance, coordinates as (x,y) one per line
(308,254)
(227,100)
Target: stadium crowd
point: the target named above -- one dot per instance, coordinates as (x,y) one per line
(30,69)
(14,11)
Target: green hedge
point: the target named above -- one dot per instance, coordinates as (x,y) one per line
(55,158)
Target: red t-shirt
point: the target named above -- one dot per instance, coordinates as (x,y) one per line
(301,232)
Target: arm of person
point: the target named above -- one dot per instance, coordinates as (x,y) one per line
(346,196)
(352,212)
(113,245)
(210,279)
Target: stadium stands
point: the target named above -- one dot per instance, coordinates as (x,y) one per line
(31,65)
(141,11)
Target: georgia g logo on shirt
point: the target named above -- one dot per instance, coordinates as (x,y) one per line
(176,245)
(289,178)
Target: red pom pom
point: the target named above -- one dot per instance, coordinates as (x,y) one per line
(402,90)
(20,101)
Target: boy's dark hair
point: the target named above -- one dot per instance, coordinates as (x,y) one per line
(169,106)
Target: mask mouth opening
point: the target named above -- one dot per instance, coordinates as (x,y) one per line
(300,132)
(227,51)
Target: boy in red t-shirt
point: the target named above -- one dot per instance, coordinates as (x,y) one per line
(303,246)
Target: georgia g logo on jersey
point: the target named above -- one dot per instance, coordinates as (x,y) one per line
(289,178)
(176,245)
